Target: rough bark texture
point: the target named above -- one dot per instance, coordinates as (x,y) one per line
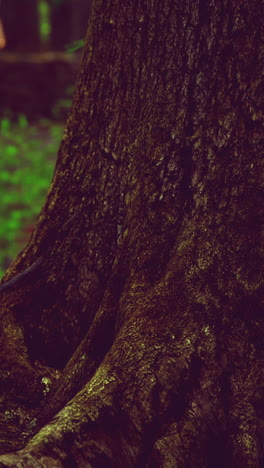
(138,326)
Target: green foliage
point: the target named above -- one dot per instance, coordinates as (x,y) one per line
(63,104)
(28,155)
(22,121)
(44,20)
(75,45)
(4,125)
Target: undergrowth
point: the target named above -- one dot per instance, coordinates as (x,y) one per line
(27,160)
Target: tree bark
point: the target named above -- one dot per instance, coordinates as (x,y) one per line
(132,322)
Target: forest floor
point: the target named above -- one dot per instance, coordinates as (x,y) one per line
(28,154)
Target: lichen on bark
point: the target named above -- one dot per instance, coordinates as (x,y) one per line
(149,299)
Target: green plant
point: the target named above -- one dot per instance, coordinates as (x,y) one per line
(63,104)
(44,20)
(75,45)
(28,155)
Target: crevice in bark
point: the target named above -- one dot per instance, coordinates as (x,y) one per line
(152,240)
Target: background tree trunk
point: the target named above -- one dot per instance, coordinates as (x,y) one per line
(21,24)
(69,20)
(135,313)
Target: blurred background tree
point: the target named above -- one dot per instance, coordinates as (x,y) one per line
(37,76)
(34,25)
(73,28)
(21,24)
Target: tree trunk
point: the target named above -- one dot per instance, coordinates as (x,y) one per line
(135,312)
